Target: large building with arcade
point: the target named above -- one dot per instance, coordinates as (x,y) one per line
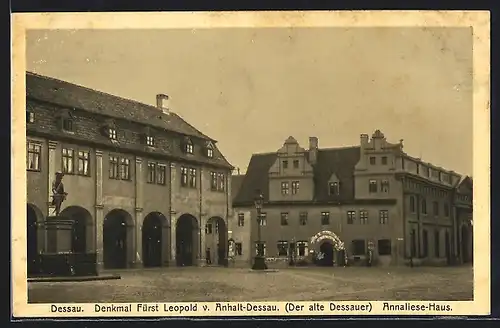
(145,188)
(371,198)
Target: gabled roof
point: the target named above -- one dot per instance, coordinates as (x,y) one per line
(236,181)
(71,95)
(465,184)
(340,161)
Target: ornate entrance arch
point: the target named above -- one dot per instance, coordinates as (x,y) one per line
(328,247)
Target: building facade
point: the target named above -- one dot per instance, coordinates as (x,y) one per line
(373,202)
(145,188)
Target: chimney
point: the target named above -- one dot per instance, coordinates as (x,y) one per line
(162,101)
(238,170)
(363,140)
(313,150)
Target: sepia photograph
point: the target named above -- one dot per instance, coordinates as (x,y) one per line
(250,164)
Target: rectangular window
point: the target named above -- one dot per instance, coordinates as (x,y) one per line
(67,160)
(150,141)
(263,219)
(351,217)
(208,229)
(284,188)
(295,187)
(210,152)
(303,218)
(241,220)
(282,248)
(192,178)
(384,247)
(425,243)
(125,168)
(285,164)
(363,217)
(372,186)
(325,218)
(423,206)
(284,219)
(383,216)
(358,247)
(412,204)
(296,164)
(435,208)
(446,210)
(184,176)
(83,162)
(373,160)
(161,174)
(213,181)
(189,148)
(238,248)
(333,188)
(222,181)
(113,167)
(302,248)
(34,155)
(384,160)
(384,186)
(260,248)
(151,172)
(426,171)
(437,246)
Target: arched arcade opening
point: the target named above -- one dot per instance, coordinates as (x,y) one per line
(155,240)
(186,240)
(118,237)
(34,238)
(82,234)
(328,249)
(216,241)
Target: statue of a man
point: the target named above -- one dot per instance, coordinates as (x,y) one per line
(58,194)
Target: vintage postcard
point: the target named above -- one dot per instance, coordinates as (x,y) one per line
(251,163)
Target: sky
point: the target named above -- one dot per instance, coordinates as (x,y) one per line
(251,88)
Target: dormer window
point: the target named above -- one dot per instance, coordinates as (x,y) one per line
(110,130)
(333,188)
(66,121)
(210,150)
(150,141)
(67,125)
(112,133)
(188,146)
(30,116)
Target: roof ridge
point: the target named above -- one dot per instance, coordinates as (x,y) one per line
(153,110)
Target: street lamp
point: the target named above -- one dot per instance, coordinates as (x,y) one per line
(260,260)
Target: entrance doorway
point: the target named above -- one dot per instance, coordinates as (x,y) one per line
(326,248)
(186,240)
(32,239)
(155,240)
(117,230)
(82,222)
(447,248)
(216,240)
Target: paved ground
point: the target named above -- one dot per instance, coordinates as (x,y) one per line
(231,284)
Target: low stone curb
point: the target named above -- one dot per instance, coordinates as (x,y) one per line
(74,279)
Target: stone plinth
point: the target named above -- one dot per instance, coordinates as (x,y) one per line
(59,234)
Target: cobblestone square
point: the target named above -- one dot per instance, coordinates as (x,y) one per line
(239,284)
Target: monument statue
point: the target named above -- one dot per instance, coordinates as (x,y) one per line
(58,194)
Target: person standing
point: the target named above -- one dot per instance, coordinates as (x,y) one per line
(208,257)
